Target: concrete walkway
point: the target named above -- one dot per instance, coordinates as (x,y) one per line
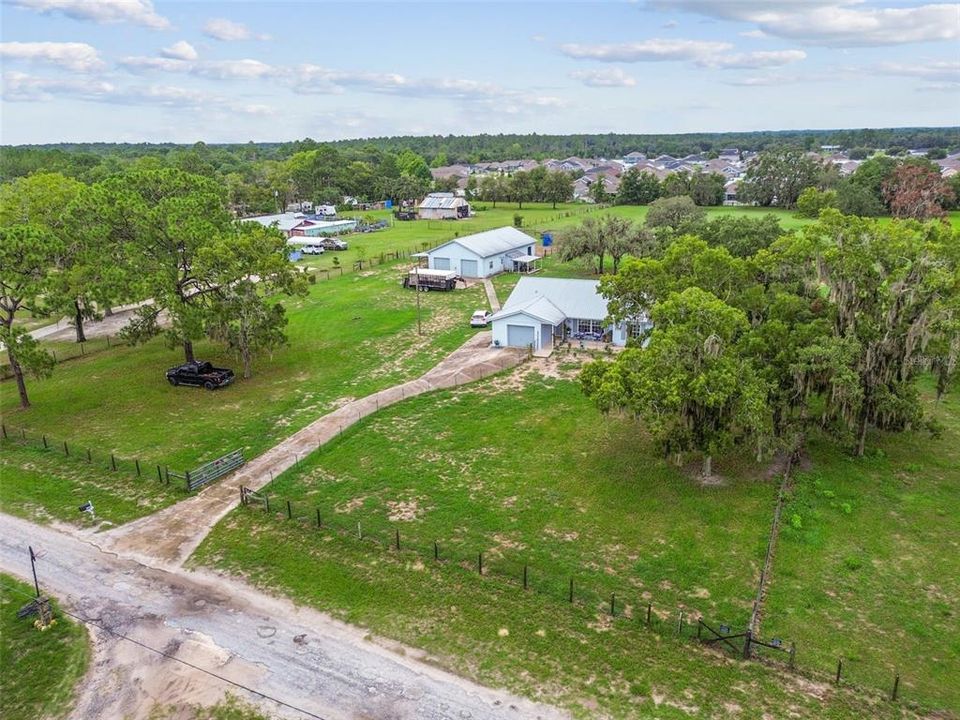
(167,538)
(491,294)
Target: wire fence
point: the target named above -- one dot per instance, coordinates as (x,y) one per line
(612,601)
(77,453)
(64,350)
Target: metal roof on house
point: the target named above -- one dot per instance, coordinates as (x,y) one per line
(491,242)
(539,308)
(436,201)
(572,298)
(283,221)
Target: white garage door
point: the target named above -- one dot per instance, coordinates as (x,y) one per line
(468,268)
(519,335)
(441,263)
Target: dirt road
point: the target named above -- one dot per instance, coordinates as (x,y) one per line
(167,538)
(297,655)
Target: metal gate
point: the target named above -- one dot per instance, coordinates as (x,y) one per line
(214,469)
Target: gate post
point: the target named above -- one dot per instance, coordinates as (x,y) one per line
(746,643)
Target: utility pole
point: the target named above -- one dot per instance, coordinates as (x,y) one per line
(419,327)
(33,566)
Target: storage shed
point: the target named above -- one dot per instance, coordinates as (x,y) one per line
(483,254)
(443,206)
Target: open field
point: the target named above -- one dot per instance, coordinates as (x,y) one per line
(869,570)
(43,486)
(38,670)
(534,475)
(351,336)
(538,476)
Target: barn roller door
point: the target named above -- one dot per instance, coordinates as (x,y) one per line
(468,268)
(520,335)
(440,263)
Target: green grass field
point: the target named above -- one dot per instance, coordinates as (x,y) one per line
(536,475)
(43,486)
(351,336)
(868,566)
(38,670)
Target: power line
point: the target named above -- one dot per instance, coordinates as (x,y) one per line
(87,621)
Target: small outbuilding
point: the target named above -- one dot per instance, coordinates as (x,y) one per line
(483,254)
(443,206)
(543,311)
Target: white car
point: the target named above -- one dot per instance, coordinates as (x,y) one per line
(312,250)
(481,318)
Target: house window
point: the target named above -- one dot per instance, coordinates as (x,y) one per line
(590,326)
(491,264)
(635,330)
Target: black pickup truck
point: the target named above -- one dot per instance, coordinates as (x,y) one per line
(200,374)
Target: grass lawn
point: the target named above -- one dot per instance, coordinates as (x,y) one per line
(42,485)
(351,336)
(530,474)
(870,568)
(38,670)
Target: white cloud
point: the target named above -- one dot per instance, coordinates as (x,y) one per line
(138,12)
(670,25)
(646,51)
(245,69)
(227,30)
(835,23)
(753,60)
(936,70)
(753,34)
(480,99)
(181,50)
(604,77)
(78,57)
(20,87)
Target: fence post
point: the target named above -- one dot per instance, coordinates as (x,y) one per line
(81,348)
(45,446)
(699,626)
(243,495)
(649,607)
(398,540)
(137,463)
(266,501)
(113,466)
(524,577)
(680,624)
(186,480)
(613,599)
(480,563)
(23,434)
(747,638)
(571,589)
(319,521)
(159,471)
(839,669)
(90,458)
(359,531)
(436,551)
(289,511)
(896,687)
(4,428)
(66,450)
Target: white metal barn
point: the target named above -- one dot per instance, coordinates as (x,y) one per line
(443,206)
(541,311)
(483,254)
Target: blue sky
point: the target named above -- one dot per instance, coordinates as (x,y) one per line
(136,70)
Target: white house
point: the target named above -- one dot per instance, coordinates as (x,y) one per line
(299,225)
(443,206)
(541,311)
(483,254)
